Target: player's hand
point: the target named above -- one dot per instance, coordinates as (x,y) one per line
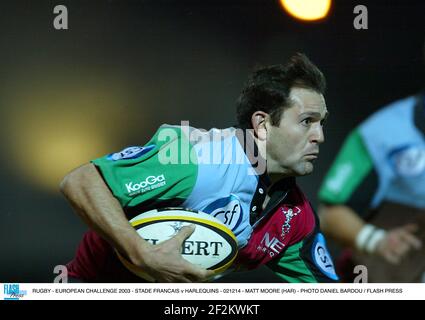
(165,263)
(398,242)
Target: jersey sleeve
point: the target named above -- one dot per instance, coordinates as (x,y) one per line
(352,179)
(162,171)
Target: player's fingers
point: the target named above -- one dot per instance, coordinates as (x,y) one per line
(175,278)
(401,248)
(194,278)
(208,274)
(201,275)
(412,240)
(197,274)
(185,280)
(392,258)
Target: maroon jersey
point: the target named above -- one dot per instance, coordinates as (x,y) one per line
(290,222)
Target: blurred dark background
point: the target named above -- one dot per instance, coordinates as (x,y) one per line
(125,67)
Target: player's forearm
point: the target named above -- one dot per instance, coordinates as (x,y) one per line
(340,223)
(100,210)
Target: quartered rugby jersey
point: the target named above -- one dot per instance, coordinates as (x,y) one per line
(211,171)
(389,145)
(288,240)
(186,167)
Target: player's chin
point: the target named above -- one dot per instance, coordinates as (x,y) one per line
(305,168)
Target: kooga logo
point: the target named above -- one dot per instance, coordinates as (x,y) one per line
(148,182)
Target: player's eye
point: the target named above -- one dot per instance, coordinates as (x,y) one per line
(307,121)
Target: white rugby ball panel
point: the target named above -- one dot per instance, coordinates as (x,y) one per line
(212,245)
(209,247)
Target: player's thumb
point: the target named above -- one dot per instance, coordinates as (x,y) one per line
(184,233)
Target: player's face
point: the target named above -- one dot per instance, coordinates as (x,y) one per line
(293,146)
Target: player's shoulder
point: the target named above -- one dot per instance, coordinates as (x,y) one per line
(195,134)
(393,111)
(207,142)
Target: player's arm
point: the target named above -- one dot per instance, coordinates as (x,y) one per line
(95,204)
(343,224)
(345,196)
(340,223)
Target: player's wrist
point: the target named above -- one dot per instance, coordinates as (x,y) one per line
(141,252)
(368,238)
(134,248)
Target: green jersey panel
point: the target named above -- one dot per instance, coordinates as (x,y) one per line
(351,166)
(291,266)
(163,169)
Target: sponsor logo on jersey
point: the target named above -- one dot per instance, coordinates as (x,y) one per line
(150,183)
(130,153)
(228,210)
(289,212)
(271,246)
(322,258)
(409,161)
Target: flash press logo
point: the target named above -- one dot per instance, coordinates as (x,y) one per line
(13,292)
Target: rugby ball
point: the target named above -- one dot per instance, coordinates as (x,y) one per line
(212,245)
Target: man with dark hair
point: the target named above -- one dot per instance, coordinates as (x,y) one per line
(268,88)
(248,170)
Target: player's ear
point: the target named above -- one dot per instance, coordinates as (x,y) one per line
(258,121)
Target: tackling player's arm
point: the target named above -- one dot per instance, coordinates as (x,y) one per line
(344,225)
(345,196)
(341,223)
(95,204)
